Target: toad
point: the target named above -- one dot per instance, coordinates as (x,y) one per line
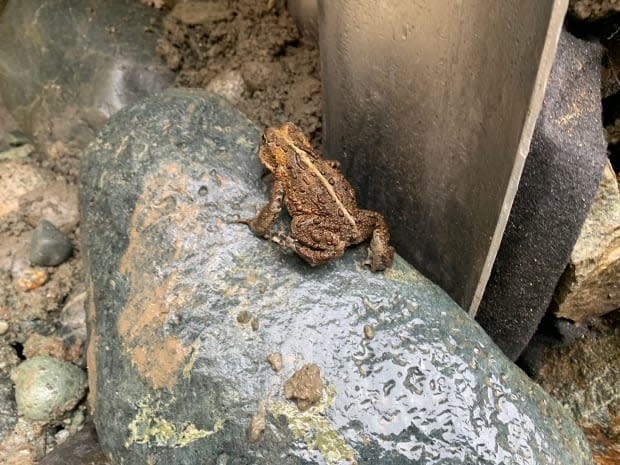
(325,218)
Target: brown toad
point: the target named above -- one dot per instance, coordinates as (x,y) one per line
(321,202)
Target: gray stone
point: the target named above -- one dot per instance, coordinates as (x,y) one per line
(559,180)
(49,246)
(8,410)
(176,378)
(47,388)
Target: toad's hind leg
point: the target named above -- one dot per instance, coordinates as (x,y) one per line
(316,243)
(380,252)
(313,256)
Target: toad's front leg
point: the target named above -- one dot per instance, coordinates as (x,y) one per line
(263,222)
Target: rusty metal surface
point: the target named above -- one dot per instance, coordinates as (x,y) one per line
(431,105)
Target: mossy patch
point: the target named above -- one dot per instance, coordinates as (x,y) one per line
(149,428)
(314,427)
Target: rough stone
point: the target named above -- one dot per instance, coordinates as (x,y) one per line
(305,386)
(26,278)
(590,286)
(174,376)
(47,388)
(49,246)
(73,319)
(586,376)
(592,10)
(559,180)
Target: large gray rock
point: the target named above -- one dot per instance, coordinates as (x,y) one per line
(179,371)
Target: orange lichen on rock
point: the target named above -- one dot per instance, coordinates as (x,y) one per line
(161,363)
(157,356)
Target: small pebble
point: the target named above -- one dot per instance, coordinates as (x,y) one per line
(4,327)
(30,278)
(258,424)
(229,85)
(49,246)
(369,332)
(255,324)
(73,318)
(244,317)
(305,386)
(275,360)
(61,436)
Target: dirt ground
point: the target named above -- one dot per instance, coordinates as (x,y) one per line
(257,41)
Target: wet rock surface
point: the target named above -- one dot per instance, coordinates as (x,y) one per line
(175,376)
